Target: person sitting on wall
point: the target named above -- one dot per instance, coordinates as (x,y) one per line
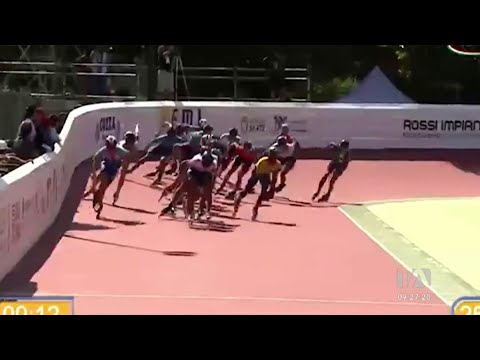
(29,118)
(23,146)
(36,118)
(49,132)
(46,136)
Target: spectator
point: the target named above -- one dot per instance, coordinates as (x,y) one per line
(4,148)
(23,147)
(100,55)
(29,112)
(42,129)
(50,135)
(276,75)
(166,66)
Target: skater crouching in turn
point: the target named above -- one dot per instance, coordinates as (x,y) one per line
(336,168)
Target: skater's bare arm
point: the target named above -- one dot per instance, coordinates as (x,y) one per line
(182,173)
(139,163)
(94,172)
(274,179)
(123,175)
(208,195)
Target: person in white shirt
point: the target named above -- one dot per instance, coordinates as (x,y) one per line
(286,155)
(99,56)
(228,140)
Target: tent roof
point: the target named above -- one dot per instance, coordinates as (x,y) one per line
(376,88)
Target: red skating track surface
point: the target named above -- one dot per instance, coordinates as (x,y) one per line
(297,259)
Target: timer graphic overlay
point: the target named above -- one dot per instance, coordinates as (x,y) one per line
(45,305)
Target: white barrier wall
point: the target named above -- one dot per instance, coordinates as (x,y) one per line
(32,195)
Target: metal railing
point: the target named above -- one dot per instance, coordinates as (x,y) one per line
(236,76)
(239,75)
(41,70)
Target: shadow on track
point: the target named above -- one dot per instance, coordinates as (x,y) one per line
(140,211)
(149,186)
(203,225)
(281,200)
(166,253)
(18,281)
(87,227)
(278,223)
(122,222)
(229,203)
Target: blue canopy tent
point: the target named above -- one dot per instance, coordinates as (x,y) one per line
(376,88)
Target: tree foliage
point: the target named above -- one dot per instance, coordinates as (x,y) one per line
(426,73)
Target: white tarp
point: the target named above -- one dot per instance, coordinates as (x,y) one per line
(376,88)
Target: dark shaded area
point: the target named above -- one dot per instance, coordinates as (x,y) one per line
(213,225)
(87,227)
(230,203)
(281,200)
(167,253)
(278,223)
(18,280)
(144,185)
(204,225)
(122,222)
(140,211)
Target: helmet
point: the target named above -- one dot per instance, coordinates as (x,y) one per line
(208,129)
(130,137)
(285,128)
(345,144)
(233,132)
(110,141)
(282,141)
(179,130)
(272,152)
(247,145)
(207,159)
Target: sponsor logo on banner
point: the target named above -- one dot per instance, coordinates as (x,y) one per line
(440,128)
(296,126)
(49,193)
(16,213)
(249,125)
(186,117)
(42,201)
(176,116)
(29,209)
(55,186)
(108,125)
(4,224)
